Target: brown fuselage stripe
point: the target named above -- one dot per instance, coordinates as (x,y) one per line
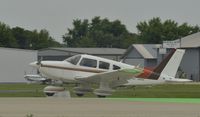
(73,69)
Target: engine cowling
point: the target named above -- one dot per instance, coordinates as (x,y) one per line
(52,90)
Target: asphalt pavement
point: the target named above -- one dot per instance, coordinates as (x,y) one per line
(94,107)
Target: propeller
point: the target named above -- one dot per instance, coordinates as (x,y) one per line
(39,61)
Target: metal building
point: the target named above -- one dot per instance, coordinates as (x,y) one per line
(63,53)
(14,63)
(191,60)
(145,55)
(149,55)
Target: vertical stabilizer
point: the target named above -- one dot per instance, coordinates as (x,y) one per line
(172,66)
(155,73)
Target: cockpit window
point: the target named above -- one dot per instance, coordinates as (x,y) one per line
(88,62)
(115,67)
(104,65)
(74,59)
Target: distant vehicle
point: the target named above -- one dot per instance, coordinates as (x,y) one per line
(86,69)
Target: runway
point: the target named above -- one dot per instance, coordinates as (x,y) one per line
(95,107)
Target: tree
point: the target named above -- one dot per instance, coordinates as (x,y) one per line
(42,39)
(33,40)
(18,37)
(79,32)
(87,42)
(186,29)
(21,37)
(98,33)
(156,31)
(6,37)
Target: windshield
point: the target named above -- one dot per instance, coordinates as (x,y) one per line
(74,59)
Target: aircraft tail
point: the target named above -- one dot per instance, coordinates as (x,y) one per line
(167,69)
(155,73)
(172,66)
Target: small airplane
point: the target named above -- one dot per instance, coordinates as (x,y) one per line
(87,69)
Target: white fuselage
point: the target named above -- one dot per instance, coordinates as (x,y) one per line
(68,72)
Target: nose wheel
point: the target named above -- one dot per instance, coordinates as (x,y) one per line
(54,91)
(49,94)
(80,94)
(101,96)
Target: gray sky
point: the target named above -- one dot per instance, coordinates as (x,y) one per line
(57,15)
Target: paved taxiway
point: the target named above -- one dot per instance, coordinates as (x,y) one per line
(94,107)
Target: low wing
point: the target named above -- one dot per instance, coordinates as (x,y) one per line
(113,78)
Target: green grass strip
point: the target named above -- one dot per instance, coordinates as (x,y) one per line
(164,100)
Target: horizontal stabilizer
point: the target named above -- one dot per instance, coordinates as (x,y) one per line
(178,80)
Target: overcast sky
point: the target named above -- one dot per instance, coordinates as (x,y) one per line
(57,15)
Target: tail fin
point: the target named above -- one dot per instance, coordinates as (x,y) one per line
(163,63)
(169,72)
(155,73)
(173,64)
(167,68)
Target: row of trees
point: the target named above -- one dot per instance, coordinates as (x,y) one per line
(104,33)
(97,33)
(155,31)
(25,39)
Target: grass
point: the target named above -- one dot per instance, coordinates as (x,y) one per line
(21,90)
(163,100)
(157,91)
(160,91)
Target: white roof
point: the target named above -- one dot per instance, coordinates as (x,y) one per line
(148,51)
(191,41)
(143,51)
(94,51)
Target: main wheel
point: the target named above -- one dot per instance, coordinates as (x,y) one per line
(80,94)
(49,94)
(101,96)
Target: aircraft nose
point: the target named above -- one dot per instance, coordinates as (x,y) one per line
(34,64)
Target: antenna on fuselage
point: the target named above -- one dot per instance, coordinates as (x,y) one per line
(121,61)
(138,66)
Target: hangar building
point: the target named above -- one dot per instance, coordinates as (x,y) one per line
(63,53)
(145,55)
(149,55)
(14,63)
(191,60)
